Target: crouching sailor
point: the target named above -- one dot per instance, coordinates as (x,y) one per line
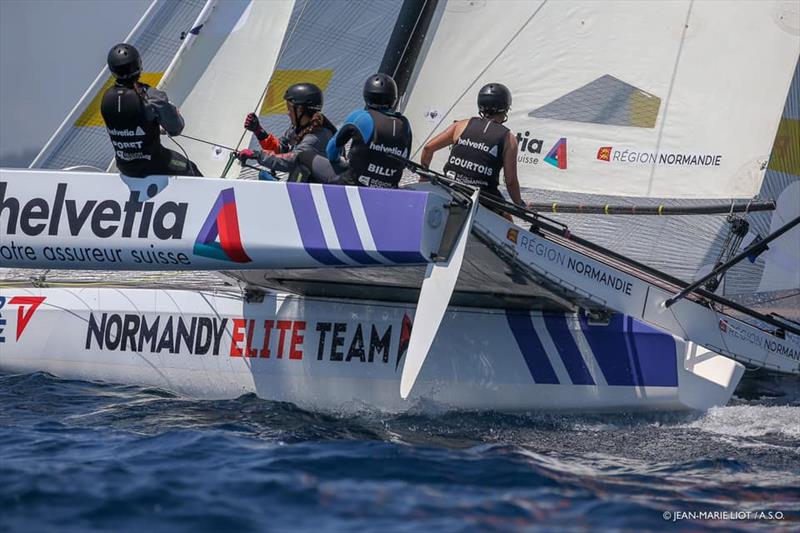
(134,114)
(376,132)
(481,146)
(309,133)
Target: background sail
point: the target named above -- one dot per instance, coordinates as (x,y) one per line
(777,268)
(82,139)
(222,75)
(646,99)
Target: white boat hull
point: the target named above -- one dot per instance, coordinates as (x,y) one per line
(347,355)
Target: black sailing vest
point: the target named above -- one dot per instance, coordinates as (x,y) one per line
(370,166)
(137,145)
(477,157)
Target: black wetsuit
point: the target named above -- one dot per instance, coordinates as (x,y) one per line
(477,157)
(374,135)
(369,157)
(133,118)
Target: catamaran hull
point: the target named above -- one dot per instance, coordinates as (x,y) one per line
(337,355)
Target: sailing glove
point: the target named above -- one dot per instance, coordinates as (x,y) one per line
(251,123)
(246,154)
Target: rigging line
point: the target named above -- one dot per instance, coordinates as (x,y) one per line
(669,95)
(181,147)
(408,41)
(202,141)
(277,62)
(481,73)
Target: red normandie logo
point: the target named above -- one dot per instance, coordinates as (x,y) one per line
(604,153)
(512,235)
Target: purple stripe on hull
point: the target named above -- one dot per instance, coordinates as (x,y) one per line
(610,348)
(396,221)
(305,214)
(531,347)
(631,353)
(656,354)
(345,225)
(568,350)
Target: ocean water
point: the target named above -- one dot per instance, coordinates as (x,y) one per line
(78,456)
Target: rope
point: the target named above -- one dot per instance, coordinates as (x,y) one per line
(231,157)
(203,141)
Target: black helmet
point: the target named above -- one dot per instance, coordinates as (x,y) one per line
(380,91)
(124,62)
(306,95)
(494,98)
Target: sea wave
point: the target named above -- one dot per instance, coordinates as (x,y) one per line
(80,456)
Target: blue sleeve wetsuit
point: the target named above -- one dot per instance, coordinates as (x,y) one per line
(358,126)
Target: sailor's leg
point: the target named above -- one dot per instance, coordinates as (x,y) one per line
(178,165)
(314,168)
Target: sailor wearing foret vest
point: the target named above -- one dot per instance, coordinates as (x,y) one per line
(481,146)
(309,133)
(377,133)
(134,114)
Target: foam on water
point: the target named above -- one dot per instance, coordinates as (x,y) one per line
(751,421)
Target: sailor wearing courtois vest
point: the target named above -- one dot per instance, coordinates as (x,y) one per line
(377,133)
(481,146)
(309,133)
(134,114)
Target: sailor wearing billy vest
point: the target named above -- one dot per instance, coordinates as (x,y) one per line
(134,114)
(481,146)
(308,135)
(375,132)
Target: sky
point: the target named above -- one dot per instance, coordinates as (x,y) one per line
(50,52)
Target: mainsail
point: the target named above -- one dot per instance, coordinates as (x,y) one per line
(645,99)
(335,45)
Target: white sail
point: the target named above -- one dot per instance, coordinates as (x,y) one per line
(81,139)
(648,99)
(221,77)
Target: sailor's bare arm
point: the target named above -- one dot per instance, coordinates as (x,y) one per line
(437,143)
(510,168)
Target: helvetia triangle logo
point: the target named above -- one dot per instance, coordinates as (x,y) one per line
(557,156)
(222,223)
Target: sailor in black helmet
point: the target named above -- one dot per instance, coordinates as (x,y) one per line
(481,146)
(375,132)
(134,112)
(309,133)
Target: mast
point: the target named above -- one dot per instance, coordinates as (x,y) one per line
(405,44)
